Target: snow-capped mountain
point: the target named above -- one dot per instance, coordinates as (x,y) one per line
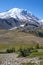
(17,18)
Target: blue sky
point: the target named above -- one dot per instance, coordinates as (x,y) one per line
(35,6)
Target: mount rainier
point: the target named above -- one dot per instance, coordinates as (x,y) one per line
(18,18)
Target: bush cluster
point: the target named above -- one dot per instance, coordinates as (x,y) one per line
(26,52)
(10,50)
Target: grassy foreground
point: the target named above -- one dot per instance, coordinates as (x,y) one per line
(32,63)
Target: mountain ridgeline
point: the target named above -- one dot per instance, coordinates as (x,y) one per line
(16,17)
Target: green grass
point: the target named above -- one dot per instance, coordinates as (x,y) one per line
(16,46)
(25,64)
(36,54)
(32,63)
(41,63)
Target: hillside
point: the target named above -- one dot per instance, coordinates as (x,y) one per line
(17,38)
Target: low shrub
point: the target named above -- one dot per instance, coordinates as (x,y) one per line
(10,50)
(26,52)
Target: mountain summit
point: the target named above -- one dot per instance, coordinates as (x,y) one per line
(15,12)
(17,17)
